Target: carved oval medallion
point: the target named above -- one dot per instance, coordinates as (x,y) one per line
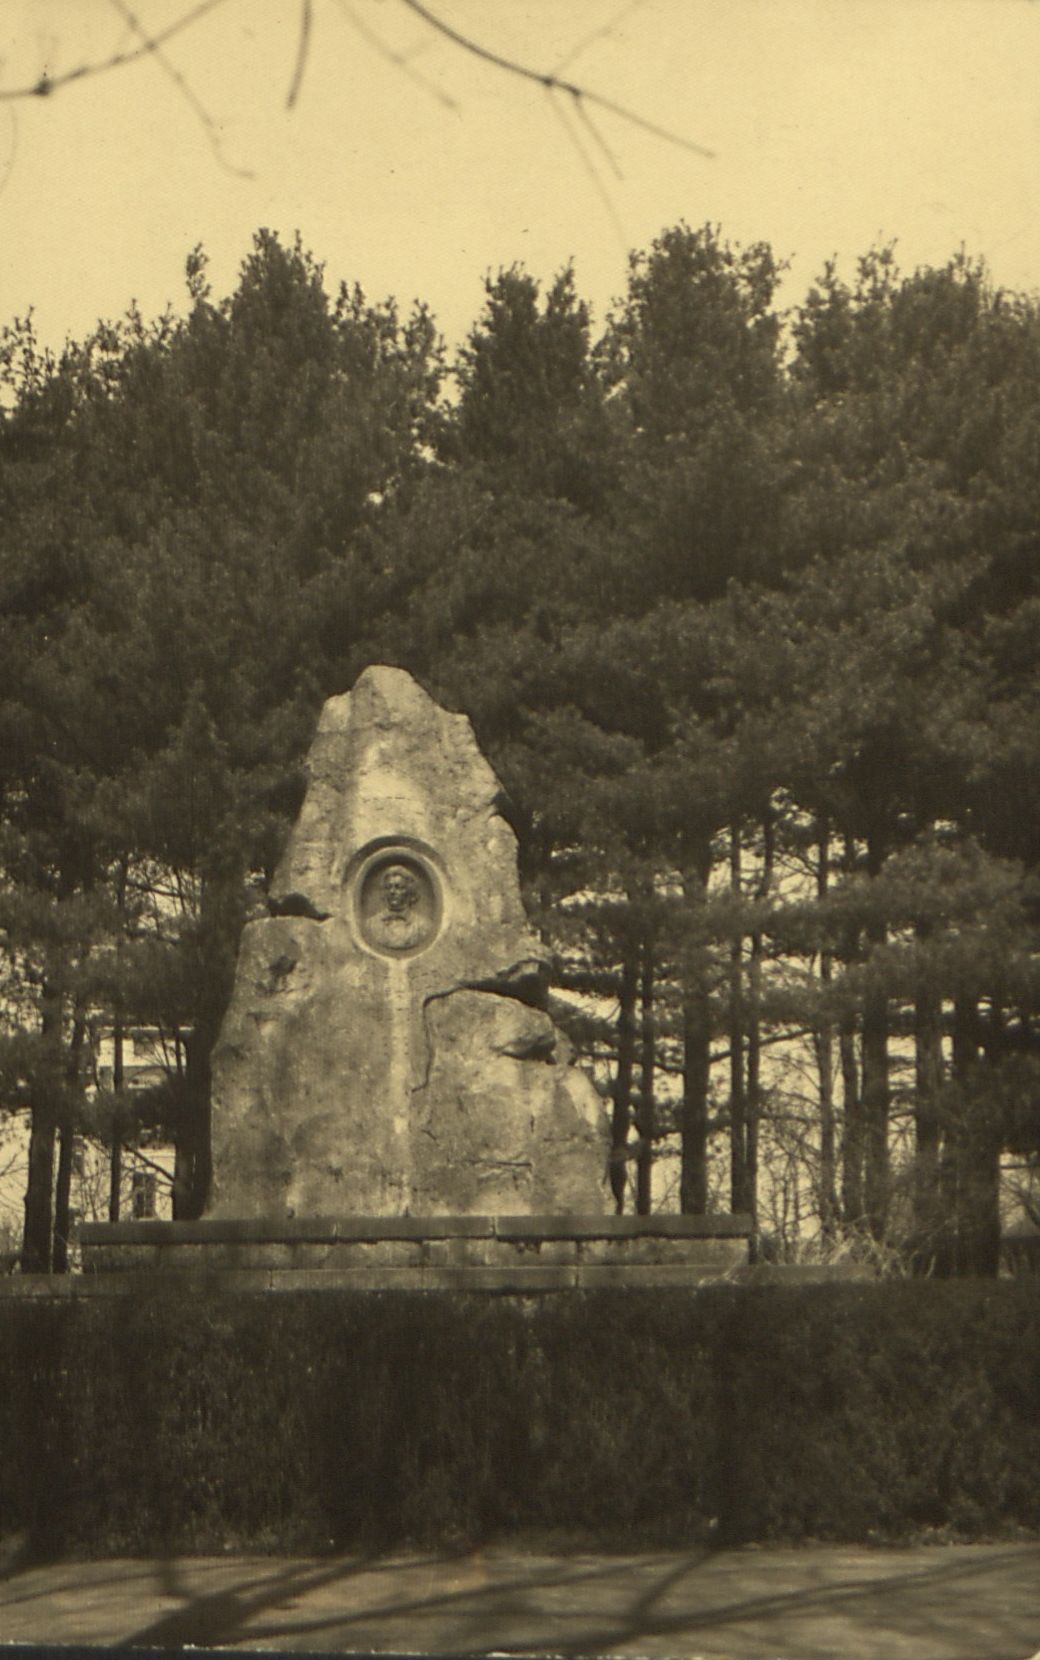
(398,902)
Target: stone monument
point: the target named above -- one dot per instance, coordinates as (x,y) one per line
(385,1052)
(392,1105)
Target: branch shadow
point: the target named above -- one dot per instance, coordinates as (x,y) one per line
(231,1614)
(580,1604)
(560,1599)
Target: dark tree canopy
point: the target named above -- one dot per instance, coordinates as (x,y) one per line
(747,621)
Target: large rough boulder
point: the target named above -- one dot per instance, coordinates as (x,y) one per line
(384,1052)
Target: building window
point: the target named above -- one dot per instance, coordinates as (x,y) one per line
(142,1195)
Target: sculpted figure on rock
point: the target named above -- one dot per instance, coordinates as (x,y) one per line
(399,911)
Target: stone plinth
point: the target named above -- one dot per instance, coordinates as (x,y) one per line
(384,1052)
(448,1253)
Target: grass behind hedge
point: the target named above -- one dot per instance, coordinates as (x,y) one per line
(304,1419)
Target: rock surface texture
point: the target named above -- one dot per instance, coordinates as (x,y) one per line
(384,1052)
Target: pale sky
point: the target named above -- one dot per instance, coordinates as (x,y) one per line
(835,123)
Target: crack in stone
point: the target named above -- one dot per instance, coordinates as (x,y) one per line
(515,982)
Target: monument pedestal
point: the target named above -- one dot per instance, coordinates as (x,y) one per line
(421,1253)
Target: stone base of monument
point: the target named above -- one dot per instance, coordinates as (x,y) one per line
(421,1253)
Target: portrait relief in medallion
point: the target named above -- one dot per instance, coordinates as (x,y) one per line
(397,904)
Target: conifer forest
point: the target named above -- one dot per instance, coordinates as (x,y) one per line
(744,606)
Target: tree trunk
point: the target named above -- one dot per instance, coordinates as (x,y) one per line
(39,1192)
(621,1116)
(754,1029)
(970,1167)
(754,1091)
(852,1137)
(62,1196)
(191,1162)
(852,1126)
(696,1070)
(738,1120)
(115,1169)
(221,915)
(45,1093)
(824,1046)
(696,1031)
(928,1080)
(982,1252)
(66,1148)
(875,1111)
(958,1175)
(876,1093)
(646,1112)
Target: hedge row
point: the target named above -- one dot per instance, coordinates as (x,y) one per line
(297,1420)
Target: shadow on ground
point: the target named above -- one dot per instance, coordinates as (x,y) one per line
(943,1603)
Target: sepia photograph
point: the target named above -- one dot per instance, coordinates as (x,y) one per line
(520,828)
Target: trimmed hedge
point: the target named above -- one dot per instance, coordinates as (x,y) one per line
(296,1420)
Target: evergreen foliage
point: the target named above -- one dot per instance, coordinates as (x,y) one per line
(303,1420)
(748,624)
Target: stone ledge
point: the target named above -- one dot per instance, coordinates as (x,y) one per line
(807,1273)
(662,1225)
(331,1229)
(290,1229)
(419,1253)
(705,1256)
(143,1282)
(710,1253)
(521,1279)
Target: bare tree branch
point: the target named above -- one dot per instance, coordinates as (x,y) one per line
(148,47)
(590,167)
(9,160)
(552,83)
(208,124)
(602,33)
(306,19)
(585,118)
(398,59)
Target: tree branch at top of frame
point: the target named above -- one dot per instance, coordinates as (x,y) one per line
(46,84)
(583,97)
